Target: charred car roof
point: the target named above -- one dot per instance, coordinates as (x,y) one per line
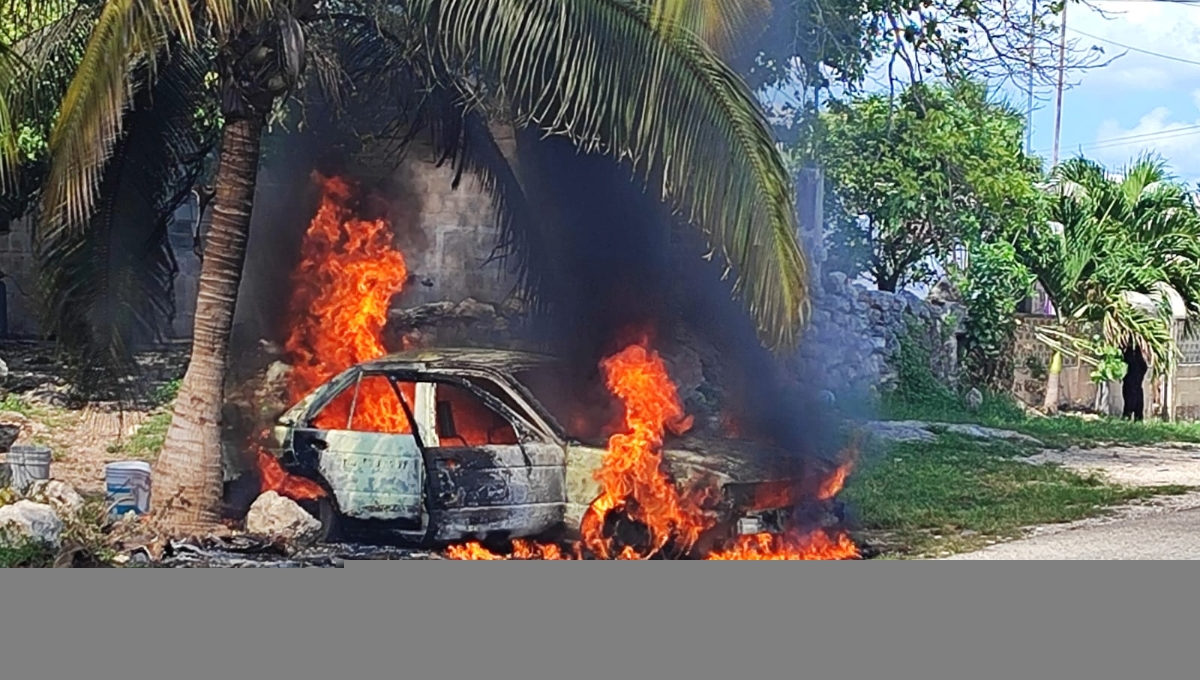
(460,358)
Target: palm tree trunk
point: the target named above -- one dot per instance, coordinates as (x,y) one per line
(1050,404)
(188,475)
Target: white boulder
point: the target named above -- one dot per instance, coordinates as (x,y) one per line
(26,520)
(58,495)
(276,516)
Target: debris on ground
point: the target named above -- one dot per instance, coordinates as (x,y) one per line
(60,496)
(248,552)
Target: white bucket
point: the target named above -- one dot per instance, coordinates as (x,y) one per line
(28,464)
(127,487)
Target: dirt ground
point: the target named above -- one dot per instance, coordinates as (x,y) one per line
(1142,466)
(83,437)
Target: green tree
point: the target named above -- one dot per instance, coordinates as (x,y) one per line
(599,72)
(993,284)
(915,177)
(1136,232)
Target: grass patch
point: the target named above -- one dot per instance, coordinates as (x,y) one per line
(956,494)
(1001,411)
(147,441)
(27,554)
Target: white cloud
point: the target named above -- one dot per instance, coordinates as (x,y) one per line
(1160,131)
(1165,28)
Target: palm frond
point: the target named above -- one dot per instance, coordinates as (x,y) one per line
(723,24)
(49,55)
(9,65)
(127,34)
(90,119)
(601,74)
(110,284)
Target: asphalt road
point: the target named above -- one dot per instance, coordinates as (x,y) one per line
(1170,536)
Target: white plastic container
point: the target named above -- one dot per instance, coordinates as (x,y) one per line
(28,464)
(127,487)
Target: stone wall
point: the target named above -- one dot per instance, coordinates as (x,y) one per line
(447,234)
(854,338)
(20,280)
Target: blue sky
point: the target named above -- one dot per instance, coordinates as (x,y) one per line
(1140,102)
(1137,103)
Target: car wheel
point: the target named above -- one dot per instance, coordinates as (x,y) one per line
(331,520)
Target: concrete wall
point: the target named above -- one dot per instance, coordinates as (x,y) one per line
(20,280)
(1076,388)
(446,234)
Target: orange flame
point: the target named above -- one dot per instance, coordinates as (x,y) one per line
(522,550)
(274,478)
(631,477)
(818,545)
(343,288)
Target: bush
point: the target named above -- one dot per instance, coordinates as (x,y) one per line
(992,288)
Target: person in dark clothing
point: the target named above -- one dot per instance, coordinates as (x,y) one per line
(1131,385)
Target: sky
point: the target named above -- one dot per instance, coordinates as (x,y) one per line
(1140,102)
(1137,103)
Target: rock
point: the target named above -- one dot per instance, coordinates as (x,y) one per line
(974,399)
(900,431)
(12,425)
(278,517)
(918,430)
(26,520)
(60,496)
(837,282)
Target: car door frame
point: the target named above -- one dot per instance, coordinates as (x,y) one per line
(541,468)
(351,463)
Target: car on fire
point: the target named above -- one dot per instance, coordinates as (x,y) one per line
(477,456)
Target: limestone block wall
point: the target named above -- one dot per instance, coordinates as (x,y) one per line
(20,280)
(855,335)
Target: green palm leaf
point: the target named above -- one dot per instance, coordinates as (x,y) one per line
(110,284)
(666,103)
(126,34)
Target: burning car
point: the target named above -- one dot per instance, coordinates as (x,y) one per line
(455,445)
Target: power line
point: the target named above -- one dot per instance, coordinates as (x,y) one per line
(1138,49)
(1165,134)
(1145,135)
(1133,139)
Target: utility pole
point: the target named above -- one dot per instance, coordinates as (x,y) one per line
(1029,109)
(1062,60)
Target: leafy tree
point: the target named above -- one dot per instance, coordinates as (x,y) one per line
(993,284)
(830,46)
(914,177)
(599,72)
(1136,232)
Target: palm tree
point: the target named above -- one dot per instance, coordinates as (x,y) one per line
(598,72)
(1109,237)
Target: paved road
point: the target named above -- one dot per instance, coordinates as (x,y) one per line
(1170,536)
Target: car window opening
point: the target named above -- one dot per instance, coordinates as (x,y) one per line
(369,405)
(464,420)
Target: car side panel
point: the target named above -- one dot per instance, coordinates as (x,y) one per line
(512,490)
(374,476)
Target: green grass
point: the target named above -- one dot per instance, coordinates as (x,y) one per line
(24,554)
(955,494)
(1001,411)
(147,441)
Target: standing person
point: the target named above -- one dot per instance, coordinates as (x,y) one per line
(1131,385)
